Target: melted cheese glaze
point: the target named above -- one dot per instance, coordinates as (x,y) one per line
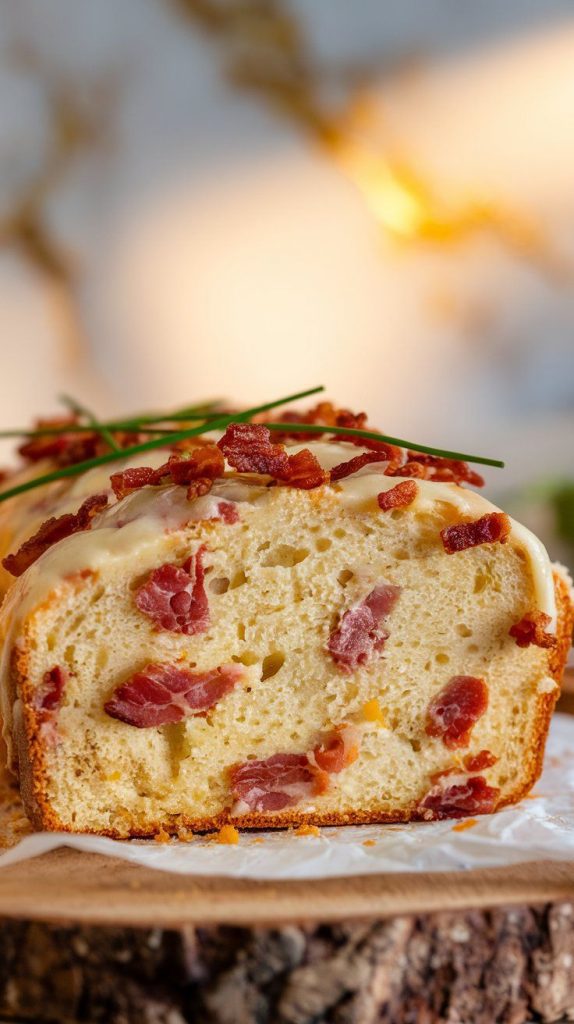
(130,526)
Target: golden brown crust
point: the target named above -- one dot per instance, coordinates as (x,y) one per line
(34,777)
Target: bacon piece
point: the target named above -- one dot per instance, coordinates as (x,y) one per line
(48,696)
(338,749)
(490,528)
(248,448)
(48,446)
(228,512)
(279,781)
(129,480)
(455,710)
(344,469)
(194,468)
(478,762)
(162,694)
(447,470)
(53,530)
(68,447)
(305,471)
(411,469)
(326,414)
(400,496)
(174,597)
(532,630)
(473,796)
(360,631)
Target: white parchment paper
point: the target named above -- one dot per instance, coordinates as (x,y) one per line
(541,827)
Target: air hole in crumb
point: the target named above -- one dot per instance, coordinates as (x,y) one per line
(401,554)
(480,582)
(472,648)
(271,664)
(463,630)
(219,585)
(248,658)
(286,556)
(241,630)
(340,533)
(344,576)
(441,658)
(397,513)
(102,657)
(415,745)
(428,666)
(51,641)
(69,654)
(238,580)
(323,544)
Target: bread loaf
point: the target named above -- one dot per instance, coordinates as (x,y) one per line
(356,648)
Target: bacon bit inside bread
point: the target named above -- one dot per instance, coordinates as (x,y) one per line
(489,529)
(478,762)
(360,632)
(455,710)
(470,797)
(532,630)
(162,694)
(174,596)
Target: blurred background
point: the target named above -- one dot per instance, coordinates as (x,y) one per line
(201,198)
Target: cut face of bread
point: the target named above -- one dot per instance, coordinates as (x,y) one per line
(266,655)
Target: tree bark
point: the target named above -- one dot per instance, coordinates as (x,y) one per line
(505,966)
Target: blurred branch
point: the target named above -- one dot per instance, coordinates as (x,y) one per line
(268,54)
(25,229)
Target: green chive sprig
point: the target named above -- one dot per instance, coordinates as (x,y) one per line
(209,419)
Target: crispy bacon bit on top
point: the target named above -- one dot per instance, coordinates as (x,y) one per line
(68,447)
(400,496)
(49,446)
(532,630)
(48,696)
(129,480)
(360,631)
(337,749)
(455,710)
(323,414)
(162,694)
(401,462)
(344,469)
(279,781)
(174,596)
(304,471)
(461,800)
(52,531)
(489,529)
(195,468)
(443,470)
(478,762)
(248,448)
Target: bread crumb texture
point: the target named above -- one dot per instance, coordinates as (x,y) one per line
(278,582)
